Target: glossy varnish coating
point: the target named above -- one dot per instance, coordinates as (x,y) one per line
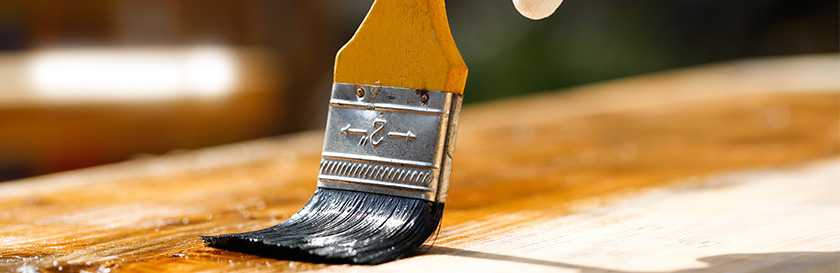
(525,166)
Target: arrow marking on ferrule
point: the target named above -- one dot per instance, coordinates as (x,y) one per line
(378,126)
(350,131)
(408,136)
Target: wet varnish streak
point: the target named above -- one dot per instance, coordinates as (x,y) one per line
(723,167)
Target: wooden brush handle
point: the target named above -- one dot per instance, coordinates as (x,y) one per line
(403,43)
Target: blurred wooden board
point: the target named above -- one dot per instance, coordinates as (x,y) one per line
(730,167)
(44,132)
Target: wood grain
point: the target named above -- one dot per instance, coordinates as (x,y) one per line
(730,167)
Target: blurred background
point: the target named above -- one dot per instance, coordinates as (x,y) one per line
(88,82)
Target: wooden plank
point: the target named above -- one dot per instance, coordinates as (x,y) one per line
(771,220)
(42,133)
(729,167)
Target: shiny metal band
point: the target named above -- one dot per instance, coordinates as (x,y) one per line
(389,140)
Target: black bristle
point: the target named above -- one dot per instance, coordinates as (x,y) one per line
(339,226)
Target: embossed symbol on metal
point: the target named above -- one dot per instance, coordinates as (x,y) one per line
(378,126)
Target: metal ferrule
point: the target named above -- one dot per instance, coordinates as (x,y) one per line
(390,140)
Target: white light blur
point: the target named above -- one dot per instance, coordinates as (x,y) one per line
(209,72)
(125,74)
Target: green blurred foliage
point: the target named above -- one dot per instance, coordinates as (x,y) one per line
(596,40)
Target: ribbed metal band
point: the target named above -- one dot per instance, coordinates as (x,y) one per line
(390,140)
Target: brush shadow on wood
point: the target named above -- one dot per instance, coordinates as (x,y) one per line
(804,261)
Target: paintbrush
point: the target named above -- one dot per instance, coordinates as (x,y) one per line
(388,148)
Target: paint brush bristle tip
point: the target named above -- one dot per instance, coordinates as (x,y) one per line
(338,226)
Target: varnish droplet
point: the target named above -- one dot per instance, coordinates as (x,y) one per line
(536,9)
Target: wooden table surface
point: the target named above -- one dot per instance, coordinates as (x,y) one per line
(728,167)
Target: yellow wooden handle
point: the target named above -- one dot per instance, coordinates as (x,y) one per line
(403,43)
